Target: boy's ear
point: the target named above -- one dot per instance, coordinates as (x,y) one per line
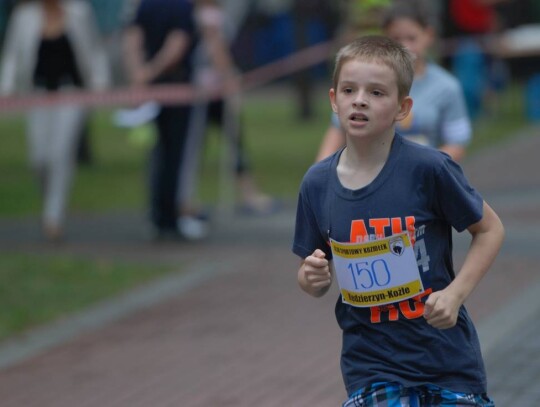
(405,107)
(332,94)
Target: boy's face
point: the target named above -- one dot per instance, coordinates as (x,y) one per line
(366,99)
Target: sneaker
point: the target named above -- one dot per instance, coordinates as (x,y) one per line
(192,228)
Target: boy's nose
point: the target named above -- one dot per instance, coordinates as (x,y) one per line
(360,102)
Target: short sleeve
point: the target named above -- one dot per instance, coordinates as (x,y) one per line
(307,234)
(456,200)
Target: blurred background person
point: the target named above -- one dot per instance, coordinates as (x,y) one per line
(215,69)
(313,20)
(108,15)
(158,47)
(53,46)
(439,115)
(472,23)
(6,7)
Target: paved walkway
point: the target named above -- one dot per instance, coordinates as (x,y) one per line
(232,328)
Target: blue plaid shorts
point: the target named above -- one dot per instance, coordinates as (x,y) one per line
(395,395)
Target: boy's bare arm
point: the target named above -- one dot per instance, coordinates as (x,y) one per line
(314,275)
(442,307)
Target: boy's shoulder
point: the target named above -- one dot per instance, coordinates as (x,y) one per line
(318,179)
(418,155)
(318,172)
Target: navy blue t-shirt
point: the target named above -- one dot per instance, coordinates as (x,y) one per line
(157,18)
(424,192)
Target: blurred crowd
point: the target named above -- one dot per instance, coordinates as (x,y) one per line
(64,45)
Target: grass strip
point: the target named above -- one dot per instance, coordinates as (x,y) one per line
(35,289)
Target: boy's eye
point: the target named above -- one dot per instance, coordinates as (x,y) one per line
(377,93)
(347,90)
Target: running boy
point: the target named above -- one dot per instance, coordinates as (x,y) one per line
(382,210)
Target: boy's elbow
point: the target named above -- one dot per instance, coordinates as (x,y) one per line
(497,232)
(491,223)
(497,227)
(501,231)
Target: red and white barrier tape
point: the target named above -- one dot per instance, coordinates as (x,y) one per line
(170,93)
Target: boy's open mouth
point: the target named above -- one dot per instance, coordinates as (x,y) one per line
(358,117)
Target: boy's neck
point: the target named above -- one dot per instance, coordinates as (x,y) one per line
(363,160)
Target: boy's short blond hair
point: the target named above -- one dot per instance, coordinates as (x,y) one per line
(379,49)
